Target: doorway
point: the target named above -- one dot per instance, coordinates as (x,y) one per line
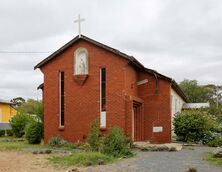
(137,122)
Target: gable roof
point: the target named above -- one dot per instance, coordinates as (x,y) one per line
(131,59)
(77,38)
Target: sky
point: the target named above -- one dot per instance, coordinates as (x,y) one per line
(178,38)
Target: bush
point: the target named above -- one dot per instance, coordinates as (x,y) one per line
(191,170)
(86,147)
(80,159)
(194,126)
(215,142)
(9,132)
(94,139)
(19,122)
(34,132)
(57,142)
(2,133)
(116,144)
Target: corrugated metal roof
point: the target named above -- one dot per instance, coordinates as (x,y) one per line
(5,101)
(196,105)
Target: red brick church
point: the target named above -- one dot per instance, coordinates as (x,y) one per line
(86,80)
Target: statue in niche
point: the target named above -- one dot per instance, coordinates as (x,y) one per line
(82,67)
(81,62)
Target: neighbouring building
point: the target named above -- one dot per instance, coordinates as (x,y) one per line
(6,113)
(86,80)
(189,106)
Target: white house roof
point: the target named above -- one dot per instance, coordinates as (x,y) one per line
(5,101)
(196,105)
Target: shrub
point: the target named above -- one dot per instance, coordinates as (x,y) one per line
(94,139)
(9,132)
(193,126)
(191,170)
(34,132)
(80,159)
(116,143)
(19,122)
(86,147)
(2,133)
(57,141)
(215,142)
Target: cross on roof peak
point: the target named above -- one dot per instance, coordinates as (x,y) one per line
(79,20)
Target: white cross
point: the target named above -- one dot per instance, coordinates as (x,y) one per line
(79,20)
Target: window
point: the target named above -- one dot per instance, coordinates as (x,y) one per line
(103,89)
(61,99)
(103,97)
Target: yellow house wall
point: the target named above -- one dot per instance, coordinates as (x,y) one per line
(6,112)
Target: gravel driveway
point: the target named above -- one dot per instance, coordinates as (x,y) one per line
(161,162)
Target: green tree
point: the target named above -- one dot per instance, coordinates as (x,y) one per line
(217,93)
(33,132)
(17,101)
(194,126)
(32,107)
(215,110)
(35,109)
(19,122)
(196,93)
(29,106)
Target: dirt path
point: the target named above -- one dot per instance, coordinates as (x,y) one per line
(11,161)
(161,162)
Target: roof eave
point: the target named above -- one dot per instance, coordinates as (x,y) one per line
(47,59)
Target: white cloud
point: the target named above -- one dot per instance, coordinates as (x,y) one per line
(181,39)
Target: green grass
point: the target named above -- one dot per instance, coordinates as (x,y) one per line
(11,143)
(80,159)
(210,157)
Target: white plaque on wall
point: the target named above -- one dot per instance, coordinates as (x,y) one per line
(158,129)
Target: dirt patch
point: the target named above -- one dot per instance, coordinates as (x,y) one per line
(15,161)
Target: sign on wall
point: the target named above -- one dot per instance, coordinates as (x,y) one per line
(158,129)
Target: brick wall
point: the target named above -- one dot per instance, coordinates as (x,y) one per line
(156,107)
(82,104)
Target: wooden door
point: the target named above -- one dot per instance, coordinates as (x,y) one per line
(137,122)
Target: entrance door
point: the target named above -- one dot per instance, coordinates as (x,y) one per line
(137,122)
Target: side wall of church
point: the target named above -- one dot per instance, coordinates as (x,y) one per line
(157,111)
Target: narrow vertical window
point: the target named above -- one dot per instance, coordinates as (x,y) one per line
(61,98)
(103,97)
